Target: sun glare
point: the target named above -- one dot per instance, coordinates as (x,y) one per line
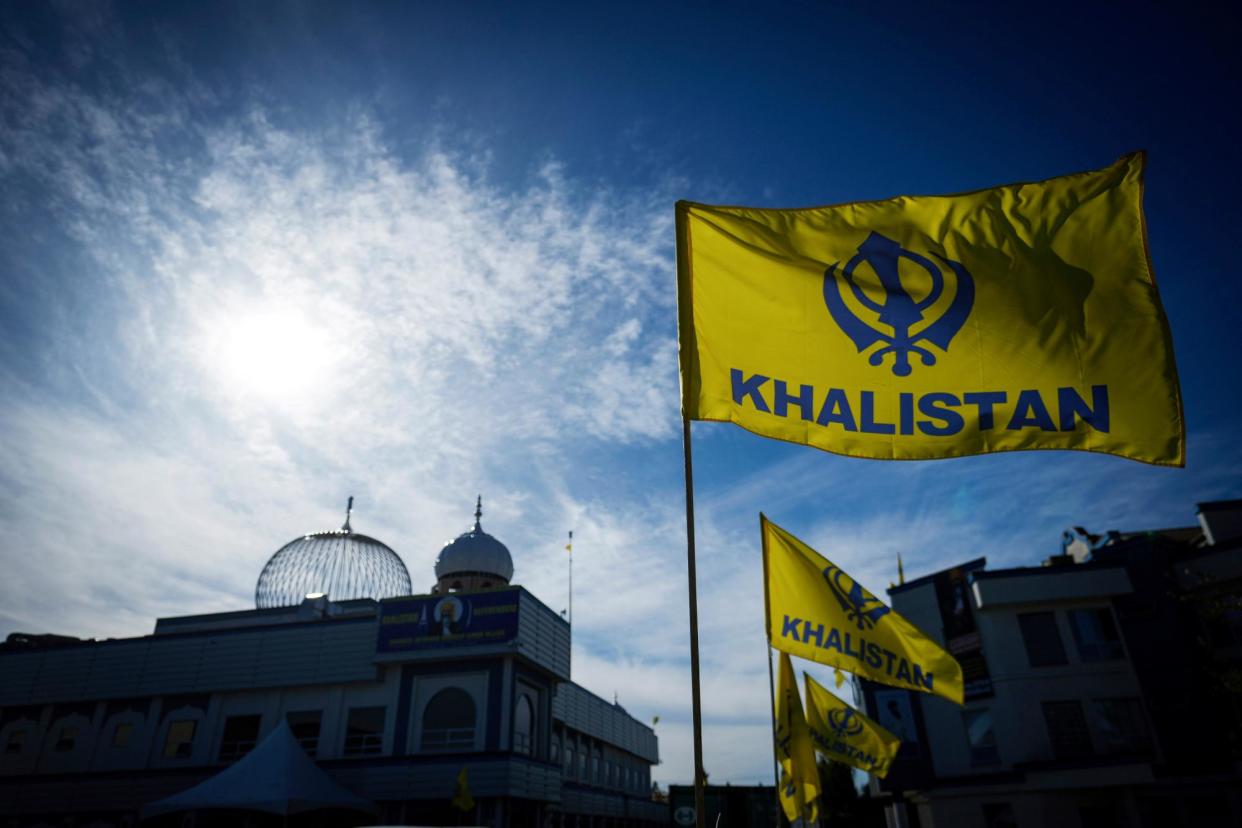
(273,355)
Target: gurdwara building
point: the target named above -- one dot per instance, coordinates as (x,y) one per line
(450,707)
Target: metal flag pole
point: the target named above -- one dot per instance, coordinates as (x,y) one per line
(569,547)
(696,708)
(776,762)
(767,639)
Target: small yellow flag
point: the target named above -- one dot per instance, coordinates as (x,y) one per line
(462,800)
(799,776)
(840,732)
(1019,317)
(817,612)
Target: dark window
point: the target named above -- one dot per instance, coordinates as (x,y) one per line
(1096,634)
(66,740)
(999,815)
(122,734)
(240,735)
(448,721)
(569,760)
(1118,725)
(1067,729)
(981,737)
(596,773)
(16,742)
(1043,641)
(555,750)
(179,741)
(304,725)
(523,725)
(582,766)
(364,734)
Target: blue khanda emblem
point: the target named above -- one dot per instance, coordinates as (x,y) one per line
(898,310)
(844,722)
(860,606)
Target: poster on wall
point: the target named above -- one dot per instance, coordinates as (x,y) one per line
(455,619)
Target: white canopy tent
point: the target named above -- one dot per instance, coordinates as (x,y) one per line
(277,777)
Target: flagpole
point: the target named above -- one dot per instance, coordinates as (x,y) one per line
(767,639)
(696,707)
(776,765)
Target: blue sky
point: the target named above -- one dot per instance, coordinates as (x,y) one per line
(260,257)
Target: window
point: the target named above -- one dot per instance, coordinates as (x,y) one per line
(121,735)
(448,721)
(595,772)
(582,766)
(982,738)
(523,725)
(240,735)
(364,733)
(1043,641)
(1118,725)
(1096,634)
(569,760)
(1067,729)
(66,739)
(555,750)
(179,741)
(16,742)
(304,725)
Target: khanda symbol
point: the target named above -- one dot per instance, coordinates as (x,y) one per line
(898,310)
(860,606)
(844,722)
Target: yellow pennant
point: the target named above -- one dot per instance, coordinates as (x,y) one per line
(818,612)
(840,732)
(799,792)
(1018,317)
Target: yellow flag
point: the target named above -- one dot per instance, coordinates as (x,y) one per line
(842,733)
(799,775)
(817,612)
(462,800)
(1019,317)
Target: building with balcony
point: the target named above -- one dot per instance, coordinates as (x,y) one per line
(1103,688)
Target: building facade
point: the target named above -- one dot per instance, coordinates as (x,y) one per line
(1102,688)
(393,698)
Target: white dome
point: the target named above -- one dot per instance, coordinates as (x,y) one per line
(475,553)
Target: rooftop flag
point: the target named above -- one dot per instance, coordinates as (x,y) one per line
(818,612)
(841,733)
(1019,317)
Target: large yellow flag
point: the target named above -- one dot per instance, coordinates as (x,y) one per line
(817,612)
(842,733)
(1019,317)
(799,775)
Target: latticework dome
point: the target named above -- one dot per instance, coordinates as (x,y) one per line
(341,564)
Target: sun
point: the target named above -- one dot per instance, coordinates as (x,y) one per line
(270,354)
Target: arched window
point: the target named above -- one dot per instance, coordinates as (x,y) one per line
(448,721)
(524,725)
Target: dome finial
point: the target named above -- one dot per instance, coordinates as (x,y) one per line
(478,513)
(349,510)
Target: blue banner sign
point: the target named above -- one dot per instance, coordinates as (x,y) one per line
(452,620)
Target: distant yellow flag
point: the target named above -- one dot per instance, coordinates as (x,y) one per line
(1019,317)
(818,612)
(799,776)
(462,799)
(840,732)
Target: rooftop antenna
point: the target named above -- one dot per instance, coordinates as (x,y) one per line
(349,510)
(478,512)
